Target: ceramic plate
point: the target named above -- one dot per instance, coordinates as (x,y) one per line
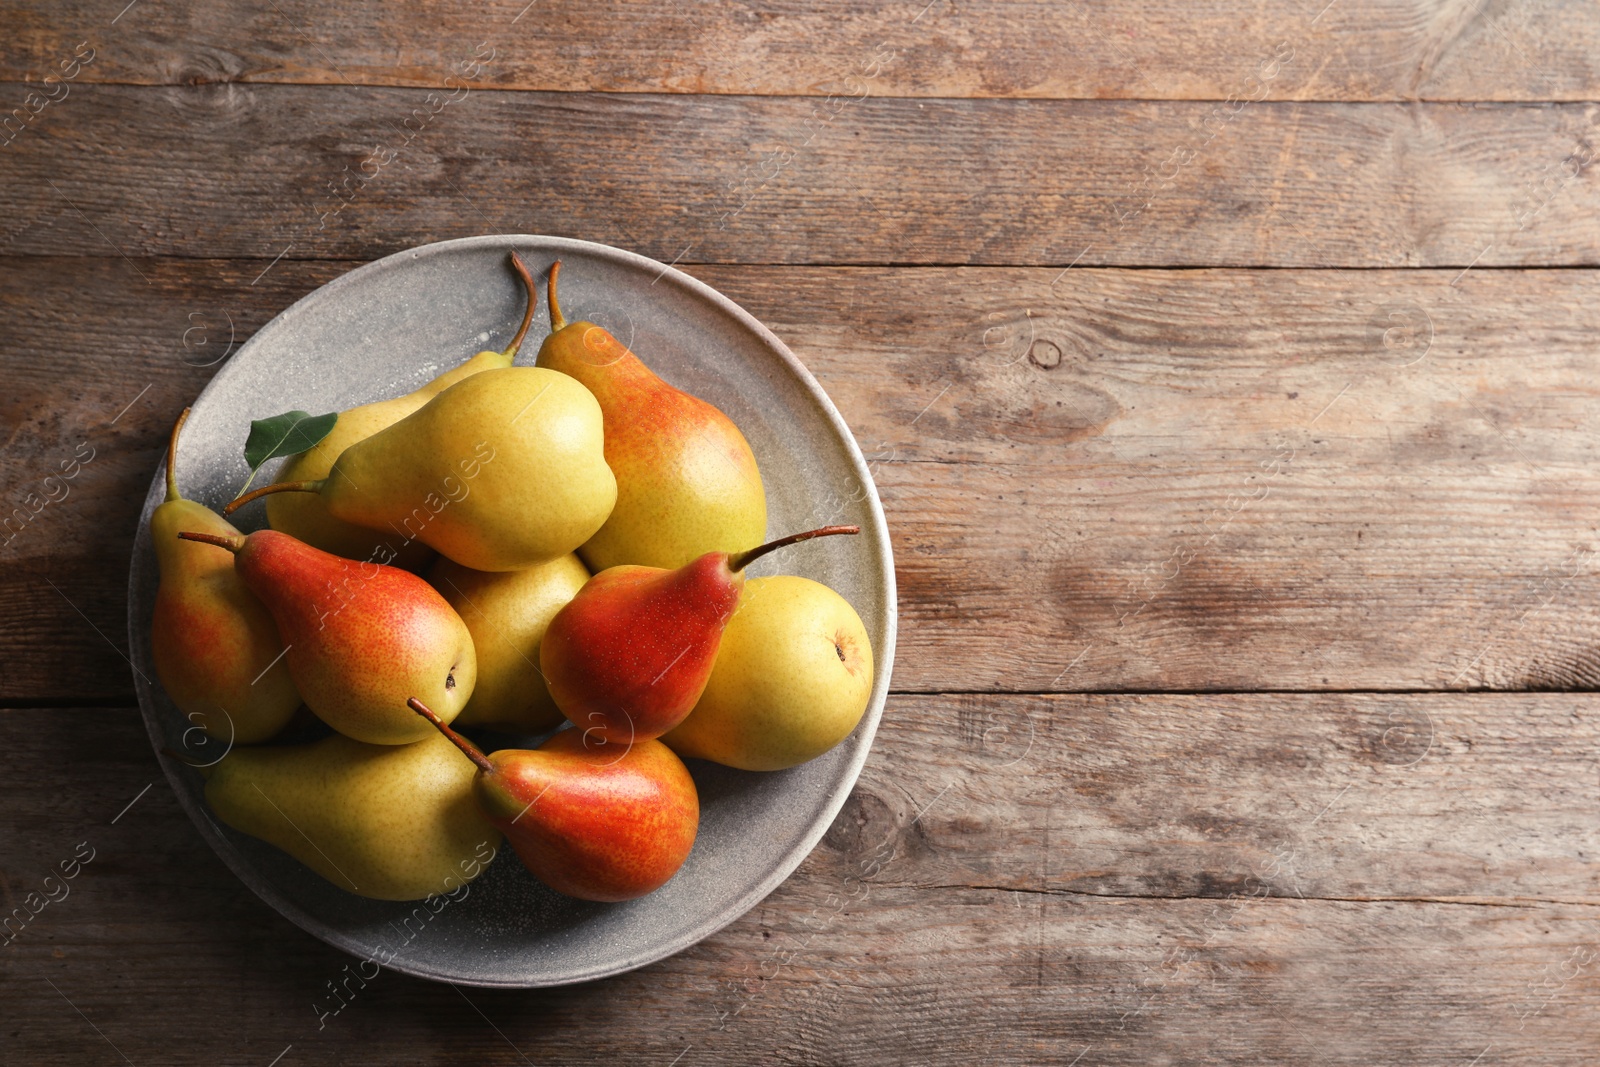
(388,327)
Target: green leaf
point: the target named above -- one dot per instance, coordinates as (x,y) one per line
(288,434)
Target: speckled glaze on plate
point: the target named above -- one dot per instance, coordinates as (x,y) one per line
(391,325)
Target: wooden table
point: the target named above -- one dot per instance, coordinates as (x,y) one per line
(1229,373)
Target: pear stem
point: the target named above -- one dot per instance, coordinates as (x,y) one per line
(533,303)
(172,457)
(742,560)
(557,320)
(223,541)
(266,490)
(232,544)
(473,752)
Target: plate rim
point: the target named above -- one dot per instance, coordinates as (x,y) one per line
(787,863)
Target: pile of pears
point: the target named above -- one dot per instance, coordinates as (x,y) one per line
(557,549)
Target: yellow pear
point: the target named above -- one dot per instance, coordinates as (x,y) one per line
(503,470)
(507,613)
(791,680)
(304,515)
(392,822)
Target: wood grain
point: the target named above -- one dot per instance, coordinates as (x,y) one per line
(306,172)
(979,897)
(1457,798)
(1377,50)
(134,355)
(1121,495)
(1217,479)
(1109,480)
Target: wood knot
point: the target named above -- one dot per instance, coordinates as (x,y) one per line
(864,825)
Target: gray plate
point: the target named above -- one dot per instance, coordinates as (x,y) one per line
(390,326)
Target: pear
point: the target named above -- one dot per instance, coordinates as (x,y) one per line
(215,646)
(503,470)
(391,822)
(361,637)
(627,659)
(306,517)
(507,613)
(589,820)
(687,482)
(792,679)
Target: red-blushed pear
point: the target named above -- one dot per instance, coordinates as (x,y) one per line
(361,637)
(214,644)
(687,482)
(628,657)
(304,515)
(592,820)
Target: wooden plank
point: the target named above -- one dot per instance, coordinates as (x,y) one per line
(916,978)
(1115,480)
(260,172)
(1362,798)
(1376,50)
(934,925)
(1218,479)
